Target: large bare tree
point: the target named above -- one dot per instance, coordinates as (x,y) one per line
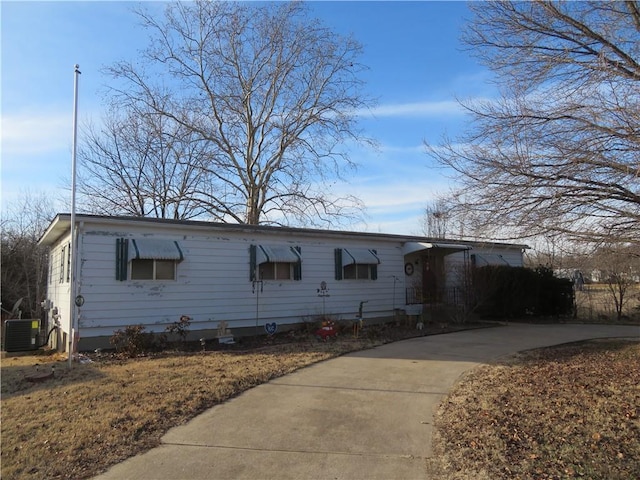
(270,93)
(559,152)
(142,164)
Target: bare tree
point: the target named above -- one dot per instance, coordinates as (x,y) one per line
(24,262)
(436,219)
(270,93)
(446,217)
(142,164)
(618,267)
(559,152)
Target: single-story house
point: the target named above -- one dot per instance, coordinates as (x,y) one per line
(151,272)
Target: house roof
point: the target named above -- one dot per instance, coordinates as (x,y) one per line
(61,225)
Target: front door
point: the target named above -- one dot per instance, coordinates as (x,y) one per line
(432,277)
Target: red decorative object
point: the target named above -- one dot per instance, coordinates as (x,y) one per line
(328,330)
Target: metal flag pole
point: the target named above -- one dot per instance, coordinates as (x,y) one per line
(73,324)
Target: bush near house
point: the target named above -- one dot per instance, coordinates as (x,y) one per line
(510,292)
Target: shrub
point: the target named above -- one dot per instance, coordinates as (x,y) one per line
(556,296)
(132,341)
(180,328)
(509,292)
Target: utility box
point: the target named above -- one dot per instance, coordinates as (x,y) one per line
(21,335)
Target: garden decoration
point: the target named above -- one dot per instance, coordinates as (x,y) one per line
(271,328)
(328,330)
(224,335)
(323,292)
(359,323)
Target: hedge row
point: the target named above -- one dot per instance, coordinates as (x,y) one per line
(509,292)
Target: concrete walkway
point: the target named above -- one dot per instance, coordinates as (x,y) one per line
(366,415)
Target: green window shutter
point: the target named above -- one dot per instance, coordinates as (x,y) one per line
(62,256)
(338,260)
(252,262)
(374,269)
(297,267)
(122,258)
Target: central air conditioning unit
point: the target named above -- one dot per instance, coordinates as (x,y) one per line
(21,335)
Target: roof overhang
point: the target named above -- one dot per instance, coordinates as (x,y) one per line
(60,226)
(411,247)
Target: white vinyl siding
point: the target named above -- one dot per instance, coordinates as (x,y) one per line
(215,281)
(211,285)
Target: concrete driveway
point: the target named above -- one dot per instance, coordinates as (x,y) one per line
(366,415)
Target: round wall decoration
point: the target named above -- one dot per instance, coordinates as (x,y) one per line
(408,268)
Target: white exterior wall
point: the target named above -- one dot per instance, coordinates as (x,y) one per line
(213,283)
(59,292)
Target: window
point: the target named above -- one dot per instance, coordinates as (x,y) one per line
(275,271)
(275,262)
(148,258)
(357,271)
(144,269)
(356,264)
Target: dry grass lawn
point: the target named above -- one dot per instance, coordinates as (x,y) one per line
(552,413)
(563,412)
(81,421)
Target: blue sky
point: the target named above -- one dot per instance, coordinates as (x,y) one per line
(417,70)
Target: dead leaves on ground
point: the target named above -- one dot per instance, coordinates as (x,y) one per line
(565,412)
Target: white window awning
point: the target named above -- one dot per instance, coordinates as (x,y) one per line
(411,247)
(495,259)
(277,254)
(362,256)
(155,249)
